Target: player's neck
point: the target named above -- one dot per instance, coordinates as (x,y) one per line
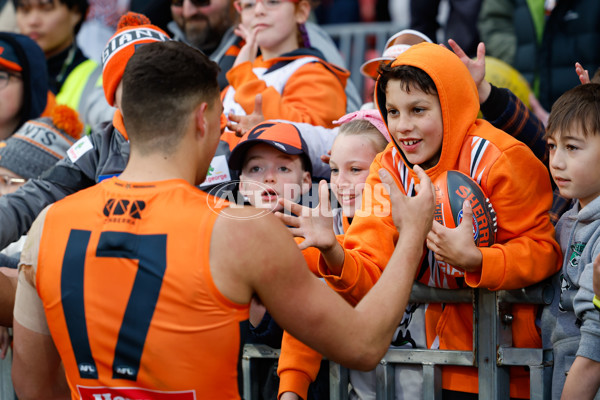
(156,167)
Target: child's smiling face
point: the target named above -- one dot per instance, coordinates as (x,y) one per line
(415,121)
(351,157)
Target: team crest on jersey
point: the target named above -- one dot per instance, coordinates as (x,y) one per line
(121,210)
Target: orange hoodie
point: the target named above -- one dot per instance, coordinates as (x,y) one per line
(297,87)
(518,187)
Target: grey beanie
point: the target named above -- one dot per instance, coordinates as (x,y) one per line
(35,147)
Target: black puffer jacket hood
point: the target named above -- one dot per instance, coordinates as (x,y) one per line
(35,75)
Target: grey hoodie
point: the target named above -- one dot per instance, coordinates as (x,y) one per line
(571,324)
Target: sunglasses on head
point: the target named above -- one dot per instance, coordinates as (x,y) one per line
(197,3)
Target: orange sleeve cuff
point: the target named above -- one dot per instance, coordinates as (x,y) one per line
(294,381)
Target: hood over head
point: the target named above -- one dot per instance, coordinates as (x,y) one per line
(459,99)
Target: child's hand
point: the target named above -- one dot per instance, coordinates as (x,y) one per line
(314,225)
(240,124)
(456,246)
(597,276)
(414,213)
(476,68)
(4,342)
(582,74)
(249,51)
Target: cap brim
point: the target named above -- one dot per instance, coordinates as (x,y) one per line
(10,65)
(407,36)
(236,158)
(371,67)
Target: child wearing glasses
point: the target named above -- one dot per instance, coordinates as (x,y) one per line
(23,82)
(277,62)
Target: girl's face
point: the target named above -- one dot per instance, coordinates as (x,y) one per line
(351,157)
(276,23)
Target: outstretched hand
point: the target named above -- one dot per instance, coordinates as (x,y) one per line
(413,215)
(240,124)
(456,246)
(582,74)
(476,68)
(315,225)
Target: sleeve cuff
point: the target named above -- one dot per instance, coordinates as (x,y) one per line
(596,302)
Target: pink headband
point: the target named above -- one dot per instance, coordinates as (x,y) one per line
(373,116)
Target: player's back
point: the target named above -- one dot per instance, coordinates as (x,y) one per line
(123,271)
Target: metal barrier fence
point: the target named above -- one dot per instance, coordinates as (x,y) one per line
(492,353)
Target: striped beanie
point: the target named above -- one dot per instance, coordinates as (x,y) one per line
(133,29)
(40,143)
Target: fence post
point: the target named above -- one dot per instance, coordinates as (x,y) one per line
(491,334)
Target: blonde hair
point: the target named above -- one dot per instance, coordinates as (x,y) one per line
(362,127)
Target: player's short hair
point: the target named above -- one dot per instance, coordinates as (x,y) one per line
(163,83)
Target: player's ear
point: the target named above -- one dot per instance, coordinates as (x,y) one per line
(200,119)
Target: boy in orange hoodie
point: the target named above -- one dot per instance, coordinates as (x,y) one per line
(430,109)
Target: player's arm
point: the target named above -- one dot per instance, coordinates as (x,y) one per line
(37,370)
(303,305)
(7,299)
(583,379)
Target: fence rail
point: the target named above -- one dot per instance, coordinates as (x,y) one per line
(492,351)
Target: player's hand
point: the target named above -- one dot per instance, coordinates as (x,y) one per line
(315,225)
(597,276)
(456,246)
(582,74)
(414,215)
(4,342)
(240,124)
(249,50)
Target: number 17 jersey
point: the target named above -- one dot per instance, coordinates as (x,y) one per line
(124,277)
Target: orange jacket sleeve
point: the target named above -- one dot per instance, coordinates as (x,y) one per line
(313,94)
(368,244)
(526,251)
(298,366)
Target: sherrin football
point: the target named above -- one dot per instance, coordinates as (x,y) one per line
(452,189)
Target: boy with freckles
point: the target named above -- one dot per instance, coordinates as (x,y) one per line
(429,103)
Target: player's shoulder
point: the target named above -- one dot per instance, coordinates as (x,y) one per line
(248,225)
